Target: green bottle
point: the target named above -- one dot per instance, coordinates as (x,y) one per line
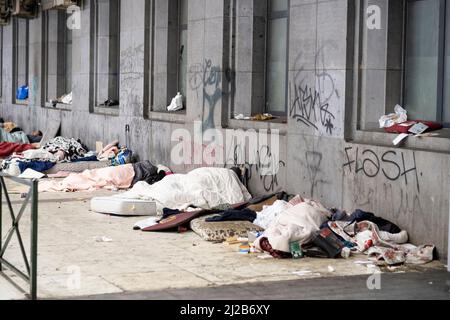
(296,250)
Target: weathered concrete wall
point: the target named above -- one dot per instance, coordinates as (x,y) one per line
(317,156)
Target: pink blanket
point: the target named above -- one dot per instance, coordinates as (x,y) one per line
(109,178)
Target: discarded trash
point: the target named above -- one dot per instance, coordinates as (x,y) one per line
(262,117)
(31,174)
(253,235)
(244,249)
(303,273)
(400,138)
(241,117)
(418,128)
(392,268)
(296,250)
(373,268)
(345,253)
(331,269)
(103,239)
(150,222)
(232,240)
(176,104)
(67,99)
(265,257)
(22,93)
(399,116)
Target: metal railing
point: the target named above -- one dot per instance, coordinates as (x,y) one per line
(30,276)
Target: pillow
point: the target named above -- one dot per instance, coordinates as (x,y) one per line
(220,231)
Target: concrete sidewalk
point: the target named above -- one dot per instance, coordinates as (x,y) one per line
(72,263)
(434,285)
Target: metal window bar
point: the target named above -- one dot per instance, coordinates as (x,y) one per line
(31,264)
(275,15)
(443,20)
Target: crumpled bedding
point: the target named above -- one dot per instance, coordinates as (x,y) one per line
(270,213)
(370,240)
(8,148)
(297,223)
(203,188)
(68,149)
(110,178)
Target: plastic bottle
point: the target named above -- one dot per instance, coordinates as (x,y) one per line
(345,253)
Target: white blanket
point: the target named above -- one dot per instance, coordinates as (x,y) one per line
(204,188)
(296,224)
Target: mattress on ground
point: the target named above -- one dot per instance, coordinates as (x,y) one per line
(77,166)
(220,231)
(123,207)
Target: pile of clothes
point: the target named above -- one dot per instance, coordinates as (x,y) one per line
(332,233)
(62,150)
(292,223)
(56,150)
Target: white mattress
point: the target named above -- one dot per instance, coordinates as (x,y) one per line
(123,207)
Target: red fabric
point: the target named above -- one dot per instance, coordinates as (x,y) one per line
(405,126)
(8,148)
(266,246)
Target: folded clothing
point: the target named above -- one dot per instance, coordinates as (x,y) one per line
(359,216)
(234,215)
(383,224)
(86,159)
(39,166)
(170,212)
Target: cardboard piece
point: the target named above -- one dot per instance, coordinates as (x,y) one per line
(31,174)
(176,221)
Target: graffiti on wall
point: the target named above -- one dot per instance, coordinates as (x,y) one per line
(313,100)
(131,71)
(397,190)
(34,90)
(313,165)
(206,80)
(392,165)
(266,160)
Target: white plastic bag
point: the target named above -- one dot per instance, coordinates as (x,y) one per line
(400,116)
(176,104)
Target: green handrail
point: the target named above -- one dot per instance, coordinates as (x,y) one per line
(30,276)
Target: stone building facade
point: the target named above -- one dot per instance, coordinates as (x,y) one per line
(327,69)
